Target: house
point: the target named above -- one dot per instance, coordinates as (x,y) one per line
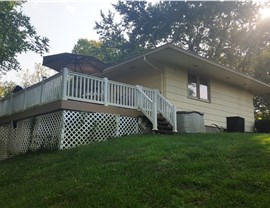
(74,108)
(193,83)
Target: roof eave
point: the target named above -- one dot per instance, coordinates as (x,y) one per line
(264,88)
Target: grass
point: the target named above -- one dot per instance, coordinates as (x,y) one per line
(198,170)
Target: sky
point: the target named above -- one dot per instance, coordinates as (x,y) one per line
(63,22)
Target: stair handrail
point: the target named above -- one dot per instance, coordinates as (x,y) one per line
(147,106)
(166,109)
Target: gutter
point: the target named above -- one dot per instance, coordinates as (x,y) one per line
(152,65)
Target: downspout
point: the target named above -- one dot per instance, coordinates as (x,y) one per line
(162,91)
(156,68)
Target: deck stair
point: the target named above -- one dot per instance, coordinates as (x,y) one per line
(164,127)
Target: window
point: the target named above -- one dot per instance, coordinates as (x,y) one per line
(192,86)
(198,87)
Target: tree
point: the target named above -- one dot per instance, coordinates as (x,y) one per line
(226,32)
(17,35)
(112,34)
(262,72)
(6,88)
(89,48)
(28,78)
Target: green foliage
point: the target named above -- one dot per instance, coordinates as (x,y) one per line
(17,35)
(196,170)
(262,65)
(262,106)
(227,32)
(89,48)
(115,46)
(262,72)
(28,77)
(6,88)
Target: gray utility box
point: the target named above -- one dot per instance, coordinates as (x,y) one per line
(190,122)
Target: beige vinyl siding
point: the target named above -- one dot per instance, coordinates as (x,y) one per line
(146,77)
(225,100)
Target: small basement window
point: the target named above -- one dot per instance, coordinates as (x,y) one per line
(198,87)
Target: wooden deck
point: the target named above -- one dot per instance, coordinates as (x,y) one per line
(80,92)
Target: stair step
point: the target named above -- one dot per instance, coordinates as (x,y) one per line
(165,127)
(165,123)
(161,119)
(161,131)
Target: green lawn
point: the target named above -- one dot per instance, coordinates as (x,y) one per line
(198,170)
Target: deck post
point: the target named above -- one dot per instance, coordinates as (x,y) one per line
(154,116)
(24,98)
(174,119)
(11,103)
(139,99)
(105,80)
(64,82)
(154,111)
(41,91)
(155,99)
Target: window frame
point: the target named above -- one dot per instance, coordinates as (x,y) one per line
(198,84)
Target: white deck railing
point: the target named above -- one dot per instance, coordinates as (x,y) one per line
(167,110)
(40,93)
(147,105)
(80,87)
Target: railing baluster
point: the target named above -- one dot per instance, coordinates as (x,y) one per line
(68,85)
(120,95)
(91,89)
(125,96)
(105,80)
(81,88)
(110,93)
(94,90)
(76,86)
(117,94)
(64,83)
(87,89)
(114,93)
(99,91)
(73,86)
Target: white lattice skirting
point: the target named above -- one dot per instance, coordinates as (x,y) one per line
(64,129)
